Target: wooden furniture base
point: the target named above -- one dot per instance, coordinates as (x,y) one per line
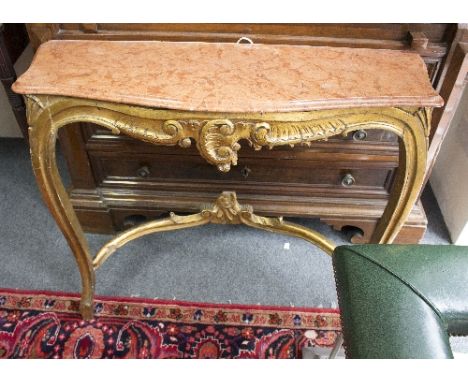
(109,210)
(123,178)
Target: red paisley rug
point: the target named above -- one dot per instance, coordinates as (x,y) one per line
(41,324)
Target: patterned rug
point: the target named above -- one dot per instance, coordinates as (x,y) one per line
(41,324)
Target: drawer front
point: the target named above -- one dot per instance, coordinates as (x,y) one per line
(256,175)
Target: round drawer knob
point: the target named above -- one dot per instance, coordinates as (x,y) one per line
(143,171)
(246,171)
(348,180)
(360,135)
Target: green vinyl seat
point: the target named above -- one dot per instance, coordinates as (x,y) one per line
(401,301)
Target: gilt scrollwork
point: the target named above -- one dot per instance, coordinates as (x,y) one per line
(226,209)
(167,133)
(182,128)
(218,143)
(218,139)
(291,133)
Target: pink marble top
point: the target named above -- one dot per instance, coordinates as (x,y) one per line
(223,77)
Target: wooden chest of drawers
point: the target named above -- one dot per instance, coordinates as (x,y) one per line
(135,181)
(118,182)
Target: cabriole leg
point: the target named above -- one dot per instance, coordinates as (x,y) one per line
(407,185)
(42,140)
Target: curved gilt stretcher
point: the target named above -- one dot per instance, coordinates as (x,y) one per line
(218,137)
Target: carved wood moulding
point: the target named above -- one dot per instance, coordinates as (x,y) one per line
(217,139)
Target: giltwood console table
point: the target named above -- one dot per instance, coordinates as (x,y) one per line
(214,96)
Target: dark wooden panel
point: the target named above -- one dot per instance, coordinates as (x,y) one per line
(252,175)
(385,33)
(13,40)
(126,206)
(16,39)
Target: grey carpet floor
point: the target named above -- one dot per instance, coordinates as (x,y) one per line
(212,263)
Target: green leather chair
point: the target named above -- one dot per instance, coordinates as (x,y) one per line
(401,301)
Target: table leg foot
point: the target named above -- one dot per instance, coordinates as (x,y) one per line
(86,308)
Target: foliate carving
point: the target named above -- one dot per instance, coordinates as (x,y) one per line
(295,132)
(218,143)
(167,133)
(226,209)
(182,129)
(218,139)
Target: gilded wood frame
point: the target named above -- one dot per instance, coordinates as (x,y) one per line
(217,137)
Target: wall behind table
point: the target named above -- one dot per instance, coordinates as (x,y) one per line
(8,126)
(449,178)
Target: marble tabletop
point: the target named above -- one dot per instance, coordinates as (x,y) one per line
(225,77)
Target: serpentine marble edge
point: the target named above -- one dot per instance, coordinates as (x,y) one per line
(225,77)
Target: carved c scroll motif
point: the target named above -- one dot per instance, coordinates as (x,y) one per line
(217,140)
(226,209)
(169,133)
(218,144)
